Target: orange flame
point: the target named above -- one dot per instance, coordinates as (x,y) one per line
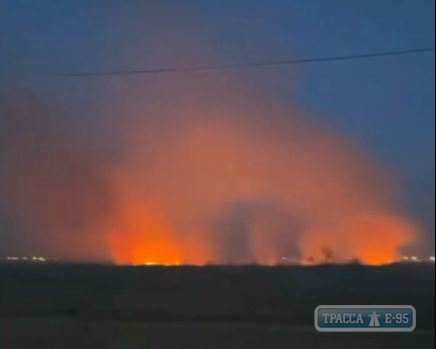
(246,180)
(231,190)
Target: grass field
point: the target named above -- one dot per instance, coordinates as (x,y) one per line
(77,306)
(81,334)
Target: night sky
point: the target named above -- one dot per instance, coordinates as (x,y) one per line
(384,105)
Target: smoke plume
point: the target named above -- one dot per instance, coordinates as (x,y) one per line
(206,170)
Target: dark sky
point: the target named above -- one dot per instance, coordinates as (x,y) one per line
(386,105)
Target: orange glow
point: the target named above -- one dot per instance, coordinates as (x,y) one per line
(227,191)
(142,237)
(206,172)
(373,239)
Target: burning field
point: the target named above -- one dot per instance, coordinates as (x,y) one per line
(213,173)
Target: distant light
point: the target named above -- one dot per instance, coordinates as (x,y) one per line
(405,258)
(290,260)
(151,263)
(27,259)
(414,258)
(432,258)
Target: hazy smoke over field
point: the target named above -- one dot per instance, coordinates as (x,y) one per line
(53,189)
(219,173)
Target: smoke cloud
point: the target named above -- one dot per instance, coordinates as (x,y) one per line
(206,170)
(53,189)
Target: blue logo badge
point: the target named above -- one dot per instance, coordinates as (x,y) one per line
(365,318)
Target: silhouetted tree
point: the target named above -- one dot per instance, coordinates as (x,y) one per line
(355,261)
(311,260)
(328,253)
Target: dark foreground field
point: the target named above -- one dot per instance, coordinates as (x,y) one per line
(77,306)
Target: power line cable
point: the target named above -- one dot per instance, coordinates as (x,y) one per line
(253,64)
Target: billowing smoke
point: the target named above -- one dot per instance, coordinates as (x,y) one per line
(206,171)
(53,189)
